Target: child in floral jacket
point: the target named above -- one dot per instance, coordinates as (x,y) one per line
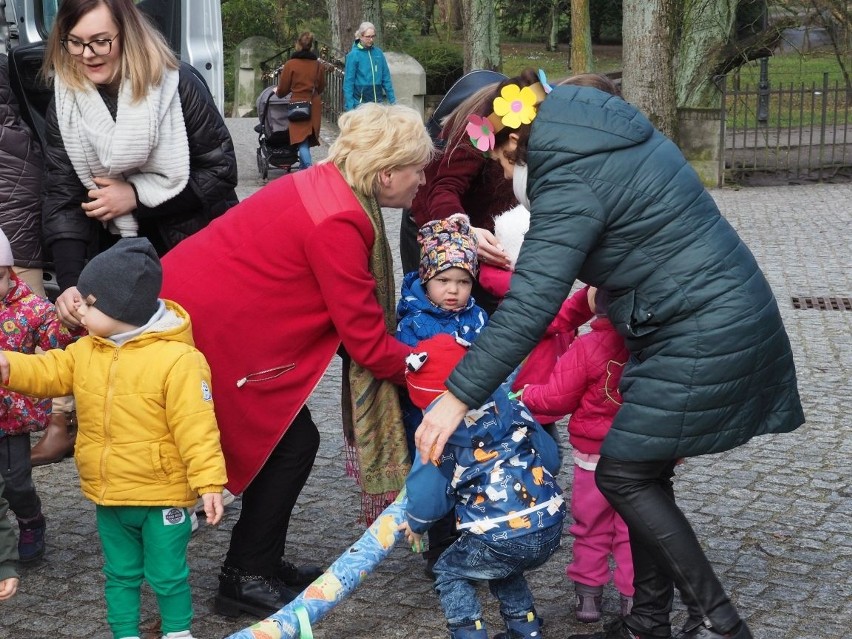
(27,321)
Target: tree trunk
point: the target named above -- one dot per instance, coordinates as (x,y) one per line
(581,37)
(427,16)
(481,36)
(648,79)
(705,28)
(553,26)
(373,13)
(451,14)
(344,16)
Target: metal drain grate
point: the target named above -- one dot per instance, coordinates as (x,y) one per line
(822,303)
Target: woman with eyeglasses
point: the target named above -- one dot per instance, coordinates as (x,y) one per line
(367,76)
(135,145)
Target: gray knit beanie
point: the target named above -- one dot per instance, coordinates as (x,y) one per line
(125,281)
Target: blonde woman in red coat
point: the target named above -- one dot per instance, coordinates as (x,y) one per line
(303,75)
(307,257)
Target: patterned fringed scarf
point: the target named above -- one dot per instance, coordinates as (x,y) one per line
(376,452)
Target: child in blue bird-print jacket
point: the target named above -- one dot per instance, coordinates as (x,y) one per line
(496,473)
(27,321)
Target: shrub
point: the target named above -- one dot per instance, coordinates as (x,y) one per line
(443,63)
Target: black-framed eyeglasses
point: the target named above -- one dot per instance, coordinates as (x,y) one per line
(101,46)
(371,36)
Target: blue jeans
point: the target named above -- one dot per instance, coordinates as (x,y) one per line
(502,564)
(305,154)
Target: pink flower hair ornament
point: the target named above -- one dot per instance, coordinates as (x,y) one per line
(512,108)
(481,133)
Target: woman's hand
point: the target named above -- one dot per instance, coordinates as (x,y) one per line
(490,251)
(67,304)
(113,199)
(437,426)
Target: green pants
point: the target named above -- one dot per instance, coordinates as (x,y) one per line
(145,542)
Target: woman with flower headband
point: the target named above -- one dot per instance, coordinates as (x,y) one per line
(614,202)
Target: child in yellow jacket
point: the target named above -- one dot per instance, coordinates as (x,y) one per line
(147,444)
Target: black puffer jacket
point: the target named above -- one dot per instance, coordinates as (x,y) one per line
(73,236)
(20,179)
(615,203)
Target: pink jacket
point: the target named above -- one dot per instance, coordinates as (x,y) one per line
(539,364)
(27,321)
(585,384)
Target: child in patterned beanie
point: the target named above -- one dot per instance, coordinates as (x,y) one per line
(437,299)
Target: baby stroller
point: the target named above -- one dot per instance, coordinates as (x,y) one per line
(273,135)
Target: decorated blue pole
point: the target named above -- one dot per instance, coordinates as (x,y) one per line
(294,620)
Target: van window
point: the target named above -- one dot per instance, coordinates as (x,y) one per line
(165,14)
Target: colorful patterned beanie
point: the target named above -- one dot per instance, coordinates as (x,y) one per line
(447,243)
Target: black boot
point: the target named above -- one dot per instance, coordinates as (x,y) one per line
(258,596)
(701,631)
(297,577)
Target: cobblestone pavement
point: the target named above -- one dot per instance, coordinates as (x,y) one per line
(775,515)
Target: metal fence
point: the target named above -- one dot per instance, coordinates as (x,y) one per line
(785,132)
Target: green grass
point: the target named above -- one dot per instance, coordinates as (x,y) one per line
(796,91)
(517,57)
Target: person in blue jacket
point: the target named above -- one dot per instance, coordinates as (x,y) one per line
(496,475)
(614,203)
(366,77)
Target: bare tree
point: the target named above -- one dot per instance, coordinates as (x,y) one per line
(648,59)
(481,35)
(581,37)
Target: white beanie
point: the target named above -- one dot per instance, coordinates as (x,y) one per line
(5,251)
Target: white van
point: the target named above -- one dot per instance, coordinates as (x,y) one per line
(193,28)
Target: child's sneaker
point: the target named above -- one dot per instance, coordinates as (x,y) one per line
(31,540)
(183,634)
(589,600)
(527,628)
(474,631)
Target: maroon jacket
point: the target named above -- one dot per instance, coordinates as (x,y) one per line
(585,384)
(462,180)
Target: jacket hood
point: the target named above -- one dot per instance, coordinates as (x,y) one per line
(584,121)
(473,429)
(174,325)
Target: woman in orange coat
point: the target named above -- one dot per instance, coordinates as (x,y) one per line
(304,76)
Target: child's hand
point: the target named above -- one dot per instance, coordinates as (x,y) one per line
(8,588)
(213,507)
(4,369)
(412,537)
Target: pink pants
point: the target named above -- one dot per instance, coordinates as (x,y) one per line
(598,532)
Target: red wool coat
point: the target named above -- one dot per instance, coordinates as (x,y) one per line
(585,384)
(273,288)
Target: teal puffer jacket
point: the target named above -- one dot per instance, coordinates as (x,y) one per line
(615,204)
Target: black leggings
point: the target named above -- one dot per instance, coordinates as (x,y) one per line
(666,552)
(260,534)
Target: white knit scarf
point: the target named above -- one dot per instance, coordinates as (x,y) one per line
(145,145)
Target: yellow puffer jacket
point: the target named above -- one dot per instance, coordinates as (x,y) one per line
(147,432)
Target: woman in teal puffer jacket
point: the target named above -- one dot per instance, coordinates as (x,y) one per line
(615,204)
(367,76)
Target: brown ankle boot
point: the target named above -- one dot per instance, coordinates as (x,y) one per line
(57,443)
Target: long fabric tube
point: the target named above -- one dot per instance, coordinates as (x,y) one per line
(335,584)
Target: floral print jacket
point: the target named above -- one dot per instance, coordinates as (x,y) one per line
(27,321)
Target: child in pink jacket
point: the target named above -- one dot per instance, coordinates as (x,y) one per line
(509,229)
(585,384)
